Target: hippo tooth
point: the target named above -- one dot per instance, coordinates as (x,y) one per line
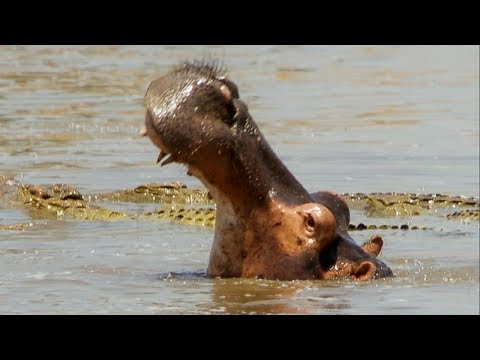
(161,156)
(168,161)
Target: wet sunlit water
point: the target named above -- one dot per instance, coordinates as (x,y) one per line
(349,119)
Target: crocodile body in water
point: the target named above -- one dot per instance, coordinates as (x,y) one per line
(61,201)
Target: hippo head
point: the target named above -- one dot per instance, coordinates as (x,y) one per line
(267,224)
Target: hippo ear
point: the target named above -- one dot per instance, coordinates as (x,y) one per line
(364,271)
(373,246)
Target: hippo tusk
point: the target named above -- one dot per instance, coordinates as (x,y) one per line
(161,156)
(168,160)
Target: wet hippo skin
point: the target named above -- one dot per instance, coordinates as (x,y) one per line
(267,225)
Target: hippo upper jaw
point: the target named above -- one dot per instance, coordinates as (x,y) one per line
(185,107)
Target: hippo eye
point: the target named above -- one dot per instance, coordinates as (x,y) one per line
(310,222)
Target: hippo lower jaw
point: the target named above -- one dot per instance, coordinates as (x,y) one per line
(225,261)
(267,224)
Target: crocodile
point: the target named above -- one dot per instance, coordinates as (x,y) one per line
(167,193)
(58,201)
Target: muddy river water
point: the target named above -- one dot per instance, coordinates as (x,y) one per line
(344,118)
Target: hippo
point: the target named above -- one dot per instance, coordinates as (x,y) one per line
(268,225)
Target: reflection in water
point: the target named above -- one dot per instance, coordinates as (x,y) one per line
(258,296)
(245,296)
(252,296)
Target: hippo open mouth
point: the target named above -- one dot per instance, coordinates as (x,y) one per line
(267,224)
